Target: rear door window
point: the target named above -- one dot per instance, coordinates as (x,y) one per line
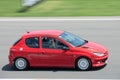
(32,42)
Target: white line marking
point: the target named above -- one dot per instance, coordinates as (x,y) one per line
(59,79)
(61,19)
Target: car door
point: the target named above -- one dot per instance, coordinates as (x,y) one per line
(32,50)
(53,53)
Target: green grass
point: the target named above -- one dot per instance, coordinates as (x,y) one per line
(9,8)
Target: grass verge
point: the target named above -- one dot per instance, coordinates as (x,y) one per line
(9,8)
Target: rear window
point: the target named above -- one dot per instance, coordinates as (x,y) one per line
(17,41)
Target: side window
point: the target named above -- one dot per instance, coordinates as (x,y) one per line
(48,42)
(60,45)
(32,42)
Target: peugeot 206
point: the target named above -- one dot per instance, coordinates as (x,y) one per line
(56,48)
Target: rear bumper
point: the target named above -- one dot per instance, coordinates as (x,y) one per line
(11,61)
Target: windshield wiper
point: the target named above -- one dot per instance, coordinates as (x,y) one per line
(83,43)
(86,41)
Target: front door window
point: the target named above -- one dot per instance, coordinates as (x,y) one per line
(48,42)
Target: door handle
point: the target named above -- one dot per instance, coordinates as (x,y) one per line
(42,53)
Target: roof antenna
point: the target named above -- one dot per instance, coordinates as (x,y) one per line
(26,29)
(28,32)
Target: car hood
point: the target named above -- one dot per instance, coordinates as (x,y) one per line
(94,47)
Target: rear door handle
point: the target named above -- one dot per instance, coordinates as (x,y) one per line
(42,53)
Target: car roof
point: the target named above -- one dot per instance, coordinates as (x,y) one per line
(44,32)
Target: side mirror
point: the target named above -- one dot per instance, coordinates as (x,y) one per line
(65,48)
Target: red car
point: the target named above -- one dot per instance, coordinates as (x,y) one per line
(56,48)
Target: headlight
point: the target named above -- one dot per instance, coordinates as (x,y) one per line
(98,54)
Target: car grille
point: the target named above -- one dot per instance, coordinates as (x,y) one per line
(104,60)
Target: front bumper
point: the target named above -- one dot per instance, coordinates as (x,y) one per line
(100,61)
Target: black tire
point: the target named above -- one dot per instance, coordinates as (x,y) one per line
(21,64)
(83,64)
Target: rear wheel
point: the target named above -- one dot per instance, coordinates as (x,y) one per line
(21,64)
(83,64)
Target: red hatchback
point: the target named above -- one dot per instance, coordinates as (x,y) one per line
(55,48)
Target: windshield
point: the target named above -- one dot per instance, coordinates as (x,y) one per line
(72,39)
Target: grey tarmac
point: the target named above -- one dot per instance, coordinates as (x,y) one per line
(105,32)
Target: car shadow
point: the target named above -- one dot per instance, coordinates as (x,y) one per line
(11,68)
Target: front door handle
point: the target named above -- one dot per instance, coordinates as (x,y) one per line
(42,53)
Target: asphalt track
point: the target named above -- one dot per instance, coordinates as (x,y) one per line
(105,32)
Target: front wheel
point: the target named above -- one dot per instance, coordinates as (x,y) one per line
(83,64)
(21,64)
